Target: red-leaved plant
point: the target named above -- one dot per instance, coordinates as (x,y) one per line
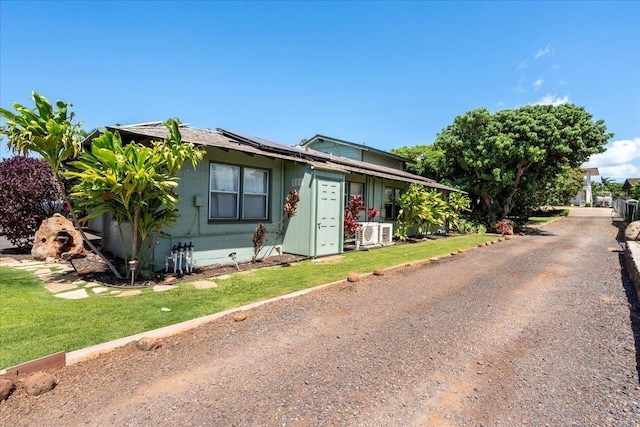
(371,214)
(261,236)
(25,184)
(351,215)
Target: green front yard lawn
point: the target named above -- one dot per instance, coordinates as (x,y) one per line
(34,323)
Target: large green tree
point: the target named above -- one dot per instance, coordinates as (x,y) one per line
(506,157)
(425,160)
(562,189)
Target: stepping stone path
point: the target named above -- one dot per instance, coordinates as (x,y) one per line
(54,288)
(77,294)
(61,280)
(129,293)
(204,284)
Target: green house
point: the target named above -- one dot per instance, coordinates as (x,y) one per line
(243,181)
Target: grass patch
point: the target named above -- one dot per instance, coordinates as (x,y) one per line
(34,323)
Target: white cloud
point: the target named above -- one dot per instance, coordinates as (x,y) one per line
(523,64)
(538,83)
(552,99)
(620,161)
(547,50)
(620,173)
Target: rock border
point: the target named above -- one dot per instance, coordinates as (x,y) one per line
(632,256)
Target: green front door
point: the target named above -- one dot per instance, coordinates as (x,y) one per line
(328,225)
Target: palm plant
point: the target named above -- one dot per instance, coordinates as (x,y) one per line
(51,133)
(133,182)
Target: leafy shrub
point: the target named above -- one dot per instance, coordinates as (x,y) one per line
(25,184)
(420,210)
(354,207)
(468,227)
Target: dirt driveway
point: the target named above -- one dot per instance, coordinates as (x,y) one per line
(537,330)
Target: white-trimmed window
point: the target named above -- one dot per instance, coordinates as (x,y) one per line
(238,192)
(255,193)
(391,207)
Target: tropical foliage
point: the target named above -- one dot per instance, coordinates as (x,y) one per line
(425,160)
(505,158)
(351,213)
(420,211)
(25,184)
(457,203)
(135,183)
(51,133)
(423,211)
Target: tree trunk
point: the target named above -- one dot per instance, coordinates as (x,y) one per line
(86,240)
(488,204)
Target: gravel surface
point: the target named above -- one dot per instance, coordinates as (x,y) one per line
(537,330)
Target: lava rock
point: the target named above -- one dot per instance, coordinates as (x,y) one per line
(39,383)
(6,387)
(57,238)
(147,344)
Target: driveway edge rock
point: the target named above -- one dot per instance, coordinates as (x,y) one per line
(632,254)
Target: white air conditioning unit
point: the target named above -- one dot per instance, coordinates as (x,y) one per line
(386,233)
(368,233)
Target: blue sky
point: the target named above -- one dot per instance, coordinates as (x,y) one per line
(386,74)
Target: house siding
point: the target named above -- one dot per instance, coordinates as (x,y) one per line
(213,240)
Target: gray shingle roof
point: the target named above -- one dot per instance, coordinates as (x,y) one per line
(229,140)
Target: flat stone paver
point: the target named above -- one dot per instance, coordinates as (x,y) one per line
(130,293)
(77,294)
(59,287)
(99,289)
(333,258)
(224,277)
(162,288)
(205,284)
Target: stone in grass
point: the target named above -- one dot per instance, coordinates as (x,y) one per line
(239,317)
(378,272)
(6,387)
(39,383)
(353,277)
(147,344)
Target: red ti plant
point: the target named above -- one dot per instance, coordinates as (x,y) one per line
(351,215)
(372,213)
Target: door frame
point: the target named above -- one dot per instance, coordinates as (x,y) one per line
(340,183)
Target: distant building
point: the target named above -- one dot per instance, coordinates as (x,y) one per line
(585,196)
(628,183)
